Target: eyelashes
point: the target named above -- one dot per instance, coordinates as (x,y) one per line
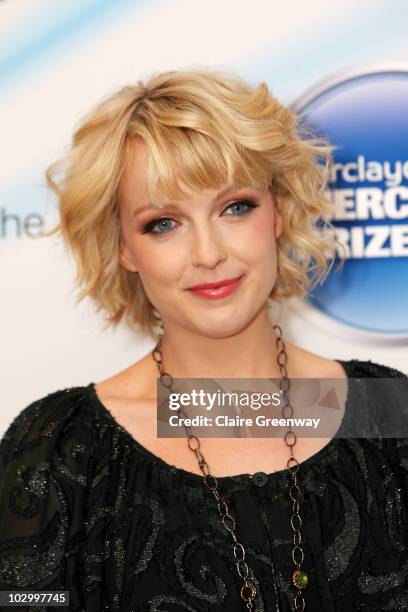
(151,225)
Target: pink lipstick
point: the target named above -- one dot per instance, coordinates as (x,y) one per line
(220,289)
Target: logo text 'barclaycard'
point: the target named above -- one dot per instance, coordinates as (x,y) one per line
(383,197)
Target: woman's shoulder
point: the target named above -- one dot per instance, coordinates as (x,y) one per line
(378,400)
(63,416)
(307,364)
(360,368)
(56,406)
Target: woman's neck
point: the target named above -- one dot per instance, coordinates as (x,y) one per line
(252,353)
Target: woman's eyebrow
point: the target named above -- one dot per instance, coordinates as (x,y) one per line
(141,209)
(222,194)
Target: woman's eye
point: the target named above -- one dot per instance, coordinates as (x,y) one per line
(242,207)
(160,223)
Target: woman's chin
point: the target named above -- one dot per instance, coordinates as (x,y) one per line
(218,329)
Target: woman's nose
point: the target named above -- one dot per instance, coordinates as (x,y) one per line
(207,247)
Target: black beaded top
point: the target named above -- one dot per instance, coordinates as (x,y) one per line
(87,509)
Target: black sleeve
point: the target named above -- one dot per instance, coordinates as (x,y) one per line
(44,458)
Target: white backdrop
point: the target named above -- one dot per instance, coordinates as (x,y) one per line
(56,61)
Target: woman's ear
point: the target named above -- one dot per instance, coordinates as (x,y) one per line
(278,215)
(125,258)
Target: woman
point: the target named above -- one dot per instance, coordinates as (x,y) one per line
(194,178)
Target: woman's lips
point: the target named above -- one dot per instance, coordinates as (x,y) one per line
(218,292)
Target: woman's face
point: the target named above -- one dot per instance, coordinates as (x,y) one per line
(208,237)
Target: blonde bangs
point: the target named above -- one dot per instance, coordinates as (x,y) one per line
(199,158)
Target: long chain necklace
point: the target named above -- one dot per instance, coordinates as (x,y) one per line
(299,577)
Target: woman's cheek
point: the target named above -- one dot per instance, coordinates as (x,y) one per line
(261,241)
(160,265)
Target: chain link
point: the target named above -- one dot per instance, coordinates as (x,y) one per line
(292,465)
(248,589)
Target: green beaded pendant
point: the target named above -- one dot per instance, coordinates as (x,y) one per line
(300,579)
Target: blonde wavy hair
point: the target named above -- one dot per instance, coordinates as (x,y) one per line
(207,129)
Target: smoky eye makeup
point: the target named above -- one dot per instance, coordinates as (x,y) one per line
(247,202)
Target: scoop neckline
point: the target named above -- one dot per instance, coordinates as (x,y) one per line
(191,477)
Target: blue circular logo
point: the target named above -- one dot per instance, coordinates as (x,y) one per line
(365,116)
